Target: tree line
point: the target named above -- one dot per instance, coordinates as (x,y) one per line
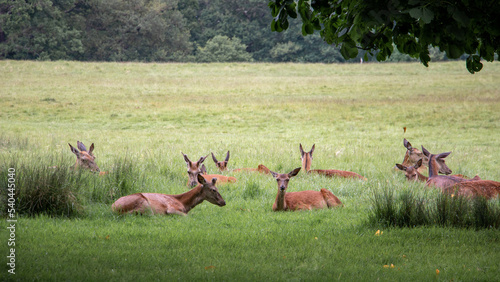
(160,30)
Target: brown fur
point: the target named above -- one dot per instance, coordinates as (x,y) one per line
(307,157)
(302,200)
(170,204)
(84,159)
(440,181)
(484,188)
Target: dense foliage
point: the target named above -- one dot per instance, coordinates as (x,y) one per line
(455,27)
(160,30)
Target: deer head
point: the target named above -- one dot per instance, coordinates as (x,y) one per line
(194,169)
(84,159)
(411,172)
(306,157)
(283,179)
(412,155)
(437,163)
(221,165)
(209,192)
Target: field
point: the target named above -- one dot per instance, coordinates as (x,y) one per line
(142,116)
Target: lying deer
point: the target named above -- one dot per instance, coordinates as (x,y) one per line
(194,169)
(412,173)
(302,200)
(437,163)
(306,158)
(84,159)
(222,166)
(170,204)
(484,188)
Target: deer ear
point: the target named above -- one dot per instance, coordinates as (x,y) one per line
(74,150)
(274,174)
(426,153)
(214,158)
(201,179)
(443,155)
(418,164)
(214,180)
(203,169)
(312,150)
(80,146)
(91,149)
(186,159)
(294,172)
(202,159)
(407,144)
(227,157)
(401,167)
(301,149)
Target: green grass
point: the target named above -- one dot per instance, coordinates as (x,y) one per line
(141,116)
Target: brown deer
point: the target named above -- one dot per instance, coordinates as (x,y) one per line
(436,164)
(181,204)
(412,156)
(307,157)
(84,159)
(195,168)
(222,166)
(302,200)
(412,173)
(483,188)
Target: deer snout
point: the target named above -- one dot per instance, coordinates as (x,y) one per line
(282,187)
(222,203)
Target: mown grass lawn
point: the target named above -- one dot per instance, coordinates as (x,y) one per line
(145,115)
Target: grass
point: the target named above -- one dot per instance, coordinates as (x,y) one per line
(141,116)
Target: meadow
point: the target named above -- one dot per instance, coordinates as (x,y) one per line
(142,116)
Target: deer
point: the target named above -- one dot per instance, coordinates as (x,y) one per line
(484,188)
(180,204)
(412,156)
(222,166)
(84,159)
(437,163)
(196,168)
(307,157)
(412,173)
(302,200)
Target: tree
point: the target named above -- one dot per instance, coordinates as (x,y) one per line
(223,49)
(455,27)
(40,30)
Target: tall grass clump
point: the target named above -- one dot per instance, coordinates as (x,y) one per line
(408,209)
(42,190)
(121,180)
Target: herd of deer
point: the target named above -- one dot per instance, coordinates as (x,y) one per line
(414,164)
(204,184)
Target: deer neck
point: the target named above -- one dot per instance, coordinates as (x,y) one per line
(306,162)
(191,198)
(280,201)
(433,166)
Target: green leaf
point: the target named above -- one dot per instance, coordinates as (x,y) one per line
(348,49)
(425,58)
(422,13)
(454,51)
(474,64)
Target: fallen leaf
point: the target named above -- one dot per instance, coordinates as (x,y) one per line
(209,267)
(437,271)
